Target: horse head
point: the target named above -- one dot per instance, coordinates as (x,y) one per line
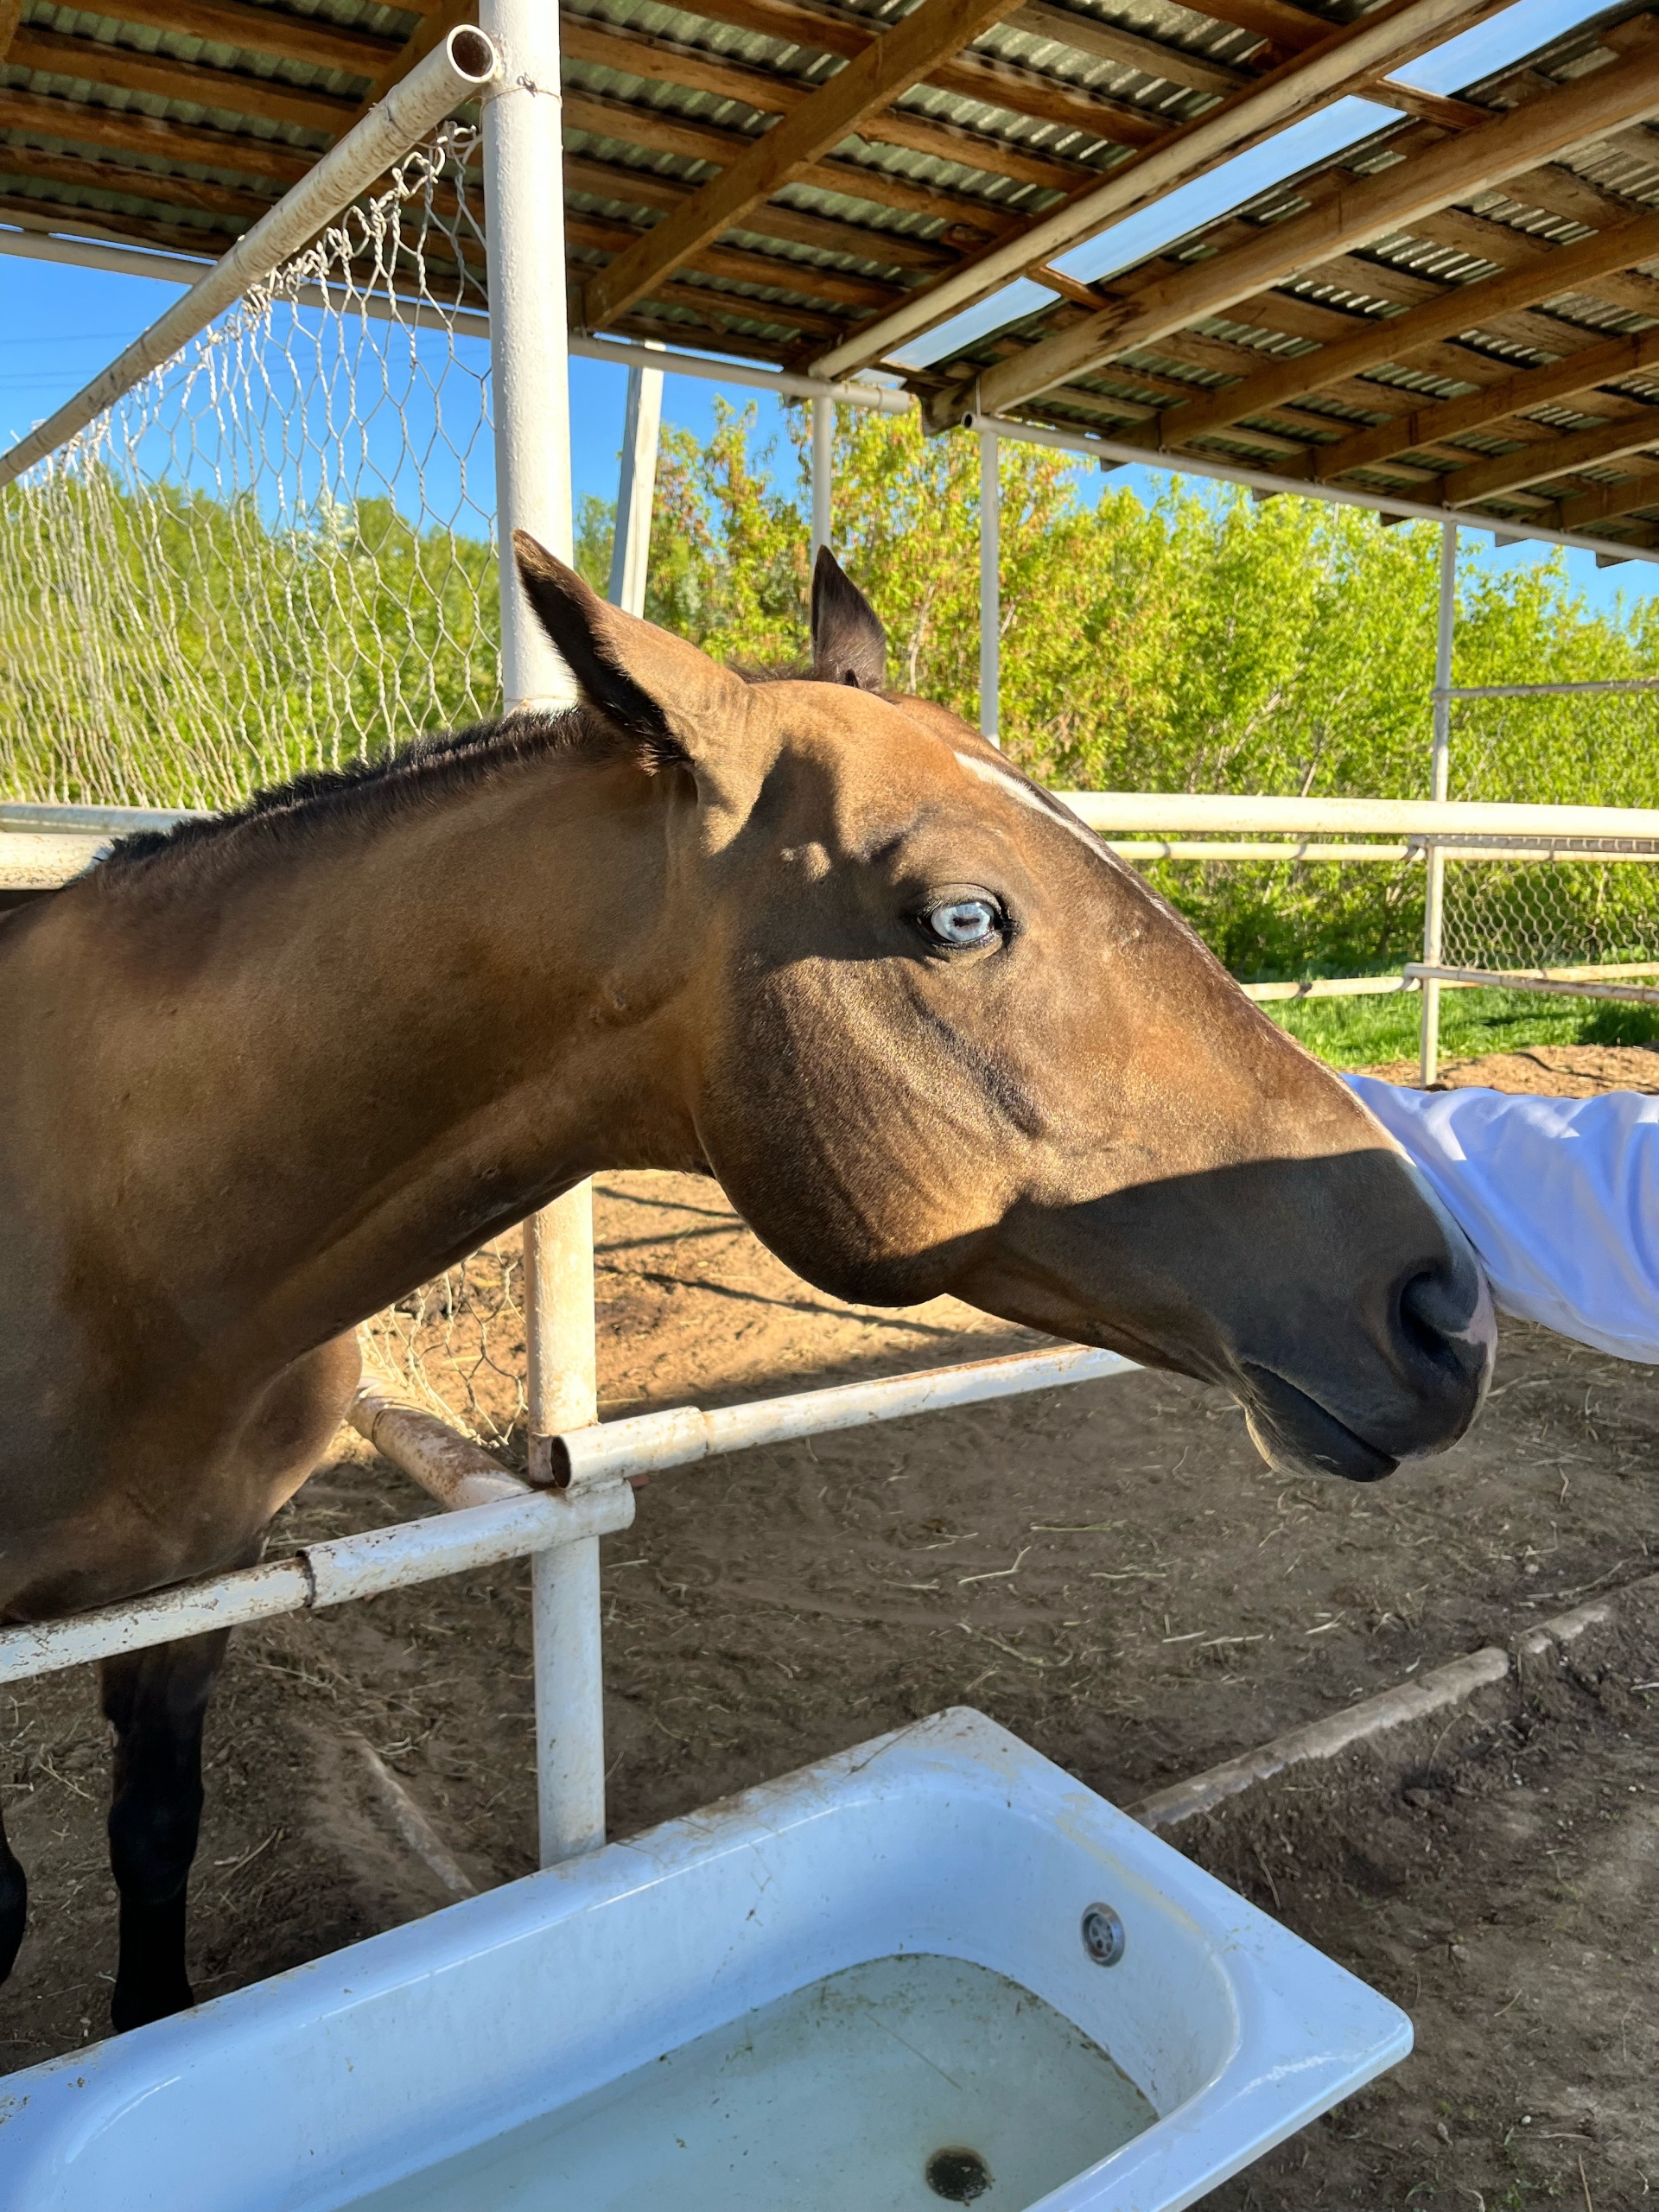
(934,1036)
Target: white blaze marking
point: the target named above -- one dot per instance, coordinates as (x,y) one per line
(1050,809)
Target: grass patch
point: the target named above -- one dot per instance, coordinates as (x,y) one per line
(1357,1032)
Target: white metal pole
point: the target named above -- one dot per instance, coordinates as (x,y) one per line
(636,491)
(823,455)
(990,587)
(523,204)
(1435,888)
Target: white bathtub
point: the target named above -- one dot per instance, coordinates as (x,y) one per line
(649,2026)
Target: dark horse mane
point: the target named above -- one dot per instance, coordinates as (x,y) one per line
(372,793)
(368,793)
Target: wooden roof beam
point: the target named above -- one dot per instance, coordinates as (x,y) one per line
(1466,306)
(1290,29)
(1437,421)
(839,35)
(900,58)
(804,278)
(125,131)
(646,189)
(770,92)
(95,62)
(265,30)
(1337,62)
(168,193)
(53,220)
(1586,509)
(947,142)
(1507,147)
(1559,456)
(1104,41)
(702,142)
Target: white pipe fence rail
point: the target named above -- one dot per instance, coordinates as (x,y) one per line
(493,1516)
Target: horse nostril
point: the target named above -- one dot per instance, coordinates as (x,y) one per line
(1436,1308)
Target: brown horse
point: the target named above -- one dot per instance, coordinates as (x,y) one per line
(266,1074)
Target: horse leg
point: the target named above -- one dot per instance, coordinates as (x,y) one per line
(13,1904)
(156,1701)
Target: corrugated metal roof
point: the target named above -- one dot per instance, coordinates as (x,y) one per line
(146,131)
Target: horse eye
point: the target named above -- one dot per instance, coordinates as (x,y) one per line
(964,922)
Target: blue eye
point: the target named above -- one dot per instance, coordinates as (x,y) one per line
(964,923)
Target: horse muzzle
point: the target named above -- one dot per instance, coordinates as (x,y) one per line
(1421,1398)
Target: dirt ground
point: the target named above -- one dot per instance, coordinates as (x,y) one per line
(1109,1571)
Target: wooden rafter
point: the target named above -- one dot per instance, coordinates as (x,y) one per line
(1559,456)
(646,189)
(1504,148)
(774,91)
(112,227)
(1428,107)
(1465,306)
(1104,41)
(125,131)
(900,58)
(1435,422)
(1586,509)
(805,279)
(1289,29)
(1344,60)
(949,141)
(81,173)
(122,68)
(265,30)
(702,142)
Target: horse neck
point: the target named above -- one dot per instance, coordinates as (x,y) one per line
(366,1053)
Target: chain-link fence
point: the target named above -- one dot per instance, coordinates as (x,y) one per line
(1558,910)
(1584,910)
(274,553)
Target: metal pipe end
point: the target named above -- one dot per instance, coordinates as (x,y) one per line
(473,54)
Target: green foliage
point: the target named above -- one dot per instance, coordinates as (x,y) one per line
(159,645)
(162,647)
(1203,644)
(1362,1031)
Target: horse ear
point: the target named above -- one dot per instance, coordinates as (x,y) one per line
(658,688)
(848,643)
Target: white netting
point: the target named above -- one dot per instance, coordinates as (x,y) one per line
(274,553)
(277,554)
(1585,907)
(457,1345)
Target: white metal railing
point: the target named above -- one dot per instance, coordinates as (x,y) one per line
(42,846)
(493,1516)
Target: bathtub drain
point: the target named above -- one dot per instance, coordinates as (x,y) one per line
(959,2175)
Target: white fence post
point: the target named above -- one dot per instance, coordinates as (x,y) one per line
(990,589)
(636,491)
(1435,888)
(823,454)
(524,217)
